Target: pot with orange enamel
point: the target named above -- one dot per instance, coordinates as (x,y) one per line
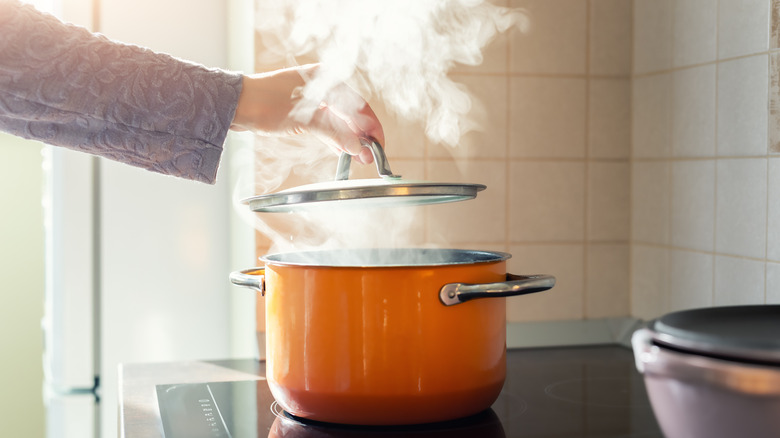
(386,336)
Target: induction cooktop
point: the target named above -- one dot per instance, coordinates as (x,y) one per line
(592,391)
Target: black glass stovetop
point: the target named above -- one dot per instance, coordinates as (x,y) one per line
(590,392)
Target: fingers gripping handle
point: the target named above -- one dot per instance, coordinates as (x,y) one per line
(382,166)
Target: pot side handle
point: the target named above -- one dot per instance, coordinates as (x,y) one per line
(251,278)
(456,293)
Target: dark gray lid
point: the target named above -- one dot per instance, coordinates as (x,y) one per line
(742,333)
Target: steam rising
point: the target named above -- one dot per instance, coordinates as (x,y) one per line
(291,162)
(398,52)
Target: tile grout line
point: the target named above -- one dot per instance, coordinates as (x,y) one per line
(717,153)
(546,75)
(710,158)
(714,62)
(566,242)
(507,149)
(693,251)
(426,233)
(766,224)
(669,155)
(586,176)
(508,143)
(626,160)
(631,167)
(770,26)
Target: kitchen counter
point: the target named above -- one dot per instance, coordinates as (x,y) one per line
(139,412)
(584,391)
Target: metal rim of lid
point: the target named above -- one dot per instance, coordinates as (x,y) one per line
(739,333)
(400,194)
(389,190)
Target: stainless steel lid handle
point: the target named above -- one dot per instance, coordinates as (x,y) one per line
(382,166)
(342,170)
(251,278)
(456,293)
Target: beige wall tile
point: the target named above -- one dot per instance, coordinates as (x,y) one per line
(650,115)
(610,37)
(743,27)
(607,281)
(774,101)
(774,24)
(609,206)
(547,201)
(720,110)
(690,280)
(494,55)
(556,40)
(742,106)
(650,202)
(403,138)
(482,219)
(772,283)
(740,222)
(494,58)
(609,118)
(487,137)
(565,300)
(652,35)
(649,281)
(547,117)
(773,214)
(695,35)
(693,112)
(693,205)
(738,281)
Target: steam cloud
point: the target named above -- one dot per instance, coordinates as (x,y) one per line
(396,51)
(399,51)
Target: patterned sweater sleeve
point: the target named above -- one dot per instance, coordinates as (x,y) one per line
(65,86)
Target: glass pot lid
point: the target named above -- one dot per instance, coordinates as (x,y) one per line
(389,190)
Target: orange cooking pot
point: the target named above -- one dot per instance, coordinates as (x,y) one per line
(386,336)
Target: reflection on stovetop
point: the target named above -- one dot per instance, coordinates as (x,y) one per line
(485,424)
(550,392)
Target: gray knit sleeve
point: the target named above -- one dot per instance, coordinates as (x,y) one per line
(65,86)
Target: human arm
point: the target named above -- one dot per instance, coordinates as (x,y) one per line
(65,86)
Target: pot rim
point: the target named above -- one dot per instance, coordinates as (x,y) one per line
(384,257)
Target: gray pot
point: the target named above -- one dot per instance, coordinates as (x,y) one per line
(713,372)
